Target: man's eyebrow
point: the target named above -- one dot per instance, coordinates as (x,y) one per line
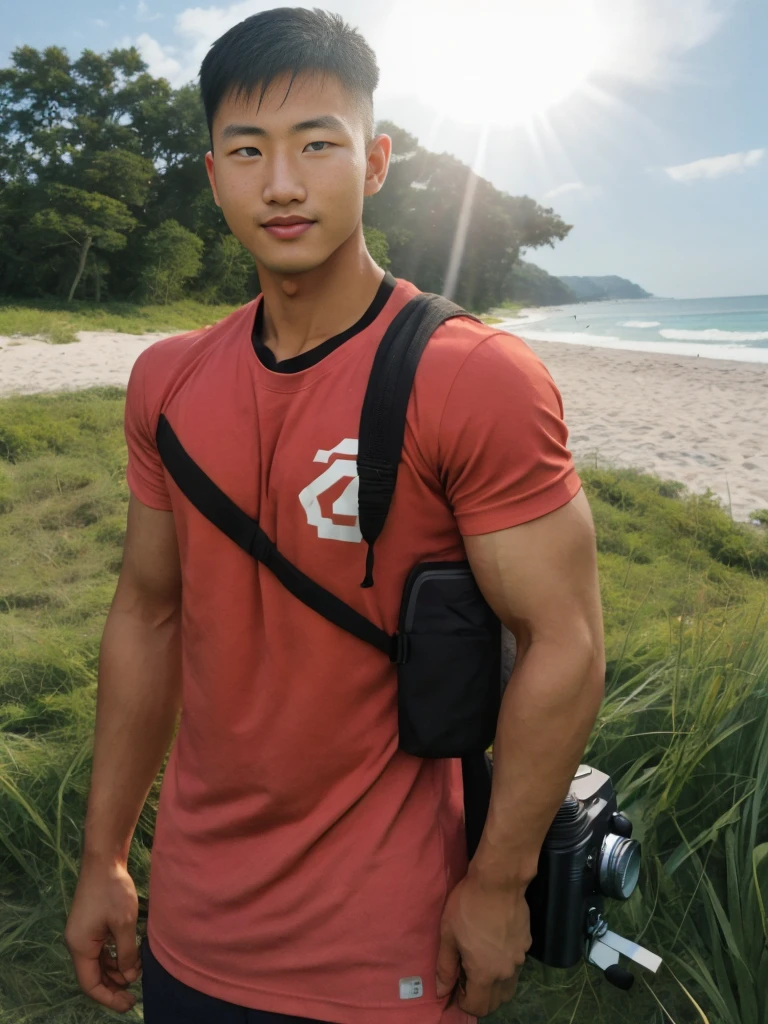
(326,121)
(231,131)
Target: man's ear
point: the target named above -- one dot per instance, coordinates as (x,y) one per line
(379,154)
(211,175)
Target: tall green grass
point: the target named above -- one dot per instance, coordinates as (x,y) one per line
(683,730)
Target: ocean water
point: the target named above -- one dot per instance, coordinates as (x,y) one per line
(729,328)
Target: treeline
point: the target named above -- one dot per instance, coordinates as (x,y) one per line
(104,196)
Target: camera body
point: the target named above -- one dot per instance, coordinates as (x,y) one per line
(588,855)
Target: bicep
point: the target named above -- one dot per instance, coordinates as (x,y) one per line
(541,577)
(150,577)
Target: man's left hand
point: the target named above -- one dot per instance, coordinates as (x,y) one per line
(484,936)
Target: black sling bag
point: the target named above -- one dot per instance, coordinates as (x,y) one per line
(448,645)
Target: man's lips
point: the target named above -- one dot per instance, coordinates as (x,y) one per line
(290,228)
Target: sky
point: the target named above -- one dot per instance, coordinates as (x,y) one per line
(643,123)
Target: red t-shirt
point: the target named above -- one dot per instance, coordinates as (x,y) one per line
(301,862)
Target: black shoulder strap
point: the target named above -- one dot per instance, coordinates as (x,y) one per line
(214,504)
(382,422)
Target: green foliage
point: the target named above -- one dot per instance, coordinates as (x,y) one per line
(595,289)
(79,220)
(377,245)
(419,211)
(683,729)
(97,156)
(532,286)
(230,274)
(171,256)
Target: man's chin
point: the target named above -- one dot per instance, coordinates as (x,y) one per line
(295,265)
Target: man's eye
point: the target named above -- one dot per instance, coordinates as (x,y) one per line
(317,144)
(251,150)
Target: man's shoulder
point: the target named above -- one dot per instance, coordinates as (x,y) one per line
(462,344)
(170,348)
(163,360)
(164,365)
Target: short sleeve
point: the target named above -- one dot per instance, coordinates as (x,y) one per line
(502,440)
(144,472)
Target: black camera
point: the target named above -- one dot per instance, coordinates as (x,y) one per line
(588,854)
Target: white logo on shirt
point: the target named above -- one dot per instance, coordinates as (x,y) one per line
(411,988)
(345,504)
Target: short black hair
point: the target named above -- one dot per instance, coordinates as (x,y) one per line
(293,40)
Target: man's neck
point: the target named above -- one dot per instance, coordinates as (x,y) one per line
(301,311)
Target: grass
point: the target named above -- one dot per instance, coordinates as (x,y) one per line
(58,321)
(683,730)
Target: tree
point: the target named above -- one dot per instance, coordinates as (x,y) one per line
(419,209)
(171,256)
(130,148)
(230,273)
(534,286)
(376,243)
(80,220)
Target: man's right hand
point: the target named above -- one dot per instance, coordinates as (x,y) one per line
(105,909)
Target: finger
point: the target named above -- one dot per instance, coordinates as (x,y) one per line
(89,978)
(475,998)
(447,964)
(127,951)
(115,977)
(109,966)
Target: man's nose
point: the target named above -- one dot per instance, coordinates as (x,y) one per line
(284,183)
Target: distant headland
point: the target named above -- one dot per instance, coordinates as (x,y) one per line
(533,286)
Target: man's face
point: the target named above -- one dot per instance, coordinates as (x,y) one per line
(305,158)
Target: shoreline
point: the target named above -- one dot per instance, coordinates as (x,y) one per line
(688,349)
(692,420)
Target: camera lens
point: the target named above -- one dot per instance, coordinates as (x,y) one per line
(619,866)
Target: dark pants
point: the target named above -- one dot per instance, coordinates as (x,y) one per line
(168,1001)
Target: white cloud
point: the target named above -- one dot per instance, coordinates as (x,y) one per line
(142,12)
(569,186)
(640,40)
(716,166)
(576,189)
(649,37)
(160,59)
(99,22)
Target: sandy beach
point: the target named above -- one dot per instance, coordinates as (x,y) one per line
(694,420)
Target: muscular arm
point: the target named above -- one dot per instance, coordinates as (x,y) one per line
(541,580)
(138,700)
(139,682)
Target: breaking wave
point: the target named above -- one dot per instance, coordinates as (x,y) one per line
(641,323)
(713,335)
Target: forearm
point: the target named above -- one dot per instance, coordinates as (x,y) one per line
(547,714)
(138,700)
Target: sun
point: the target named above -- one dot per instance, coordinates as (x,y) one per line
(486,62)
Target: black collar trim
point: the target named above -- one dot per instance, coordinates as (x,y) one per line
(311,358)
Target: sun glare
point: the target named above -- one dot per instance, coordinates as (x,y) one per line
(489,62)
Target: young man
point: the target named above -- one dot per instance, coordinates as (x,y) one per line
(303,867)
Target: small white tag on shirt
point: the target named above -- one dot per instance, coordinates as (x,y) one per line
(411,988)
